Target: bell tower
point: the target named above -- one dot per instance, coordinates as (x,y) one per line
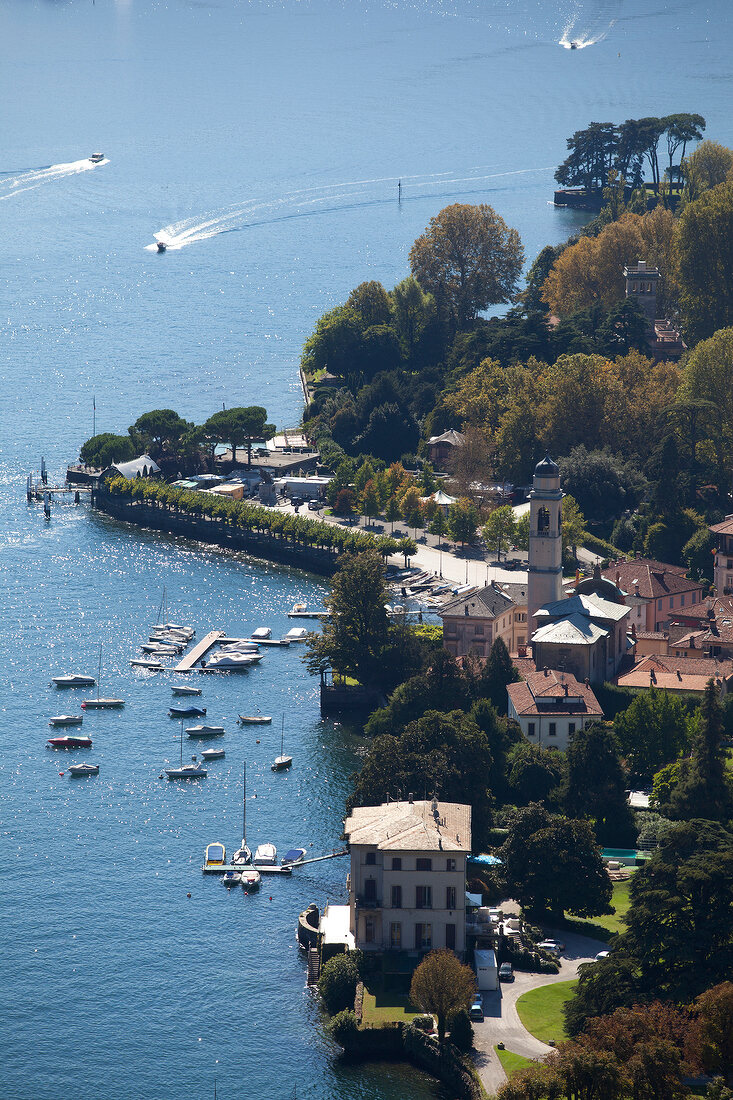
(545,539)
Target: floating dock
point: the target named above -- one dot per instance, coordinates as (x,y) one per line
(309,614)
(222,868)
(199,651)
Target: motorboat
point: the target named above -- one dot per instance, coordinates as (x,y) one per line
(215,855)
(70,741)
(573,45)
(239,645)
(187,771)
(161,246)
(250,878)
(101,703)
(67,720)
(161,650)
(297,634)
(293,856)
(254,719)
(260,633)
(265,856)
(212,754)
(187,712)
(149,666)
(97,158)
(185,690)
(186,631)
(205,731)
(232,878)
(172,635)
(243,854)
(73,681)
(83,769)
(231,662)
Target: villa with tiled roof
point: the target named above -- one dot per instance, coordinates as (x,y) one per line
(653,590)
(551,706)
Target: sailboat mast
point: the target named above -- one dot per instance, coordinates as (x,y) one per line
(282,736)
(244,805)
(99,672)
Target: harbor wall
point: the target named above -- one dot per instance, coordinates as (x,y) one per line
(216,531)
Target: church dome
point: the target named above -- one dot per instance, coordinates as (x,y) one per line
(547,468)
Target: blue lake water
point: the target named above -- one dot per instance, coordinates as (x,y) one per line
(264,141)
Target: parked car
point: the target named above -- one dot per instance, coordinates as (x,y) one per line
(550,946)
(314,505)
(602,955)
(506,973)
(476,1011)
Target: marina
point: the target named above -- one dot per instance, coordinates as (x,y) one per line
(199,650)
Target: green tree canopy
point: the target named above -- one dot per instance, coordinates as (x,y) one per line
(596,785)
(463,520)
(442,986)
(105,448)
(704,789)
(468,259)
(705,262)
(496,674)
(652,731)
(552,864)
(159,427)
(601,483)
(238,427)
(500,528)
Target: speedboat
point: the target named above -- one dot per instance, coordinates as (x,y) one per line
(231,662)
(73,681)
(96,158)
(151,666)
(83,769)
(238,645)
(187,771)
(67,720)
(161,246)
(293,856)
(185,631)
(573,45)
(212,754)
(250,878)
(160,649)
(297,634)
(187,712)
(186,691)
(265,856)
(215,855)
(254,719)
(260,633)
(103,704)
(70,741)
(205,731)
(232,878)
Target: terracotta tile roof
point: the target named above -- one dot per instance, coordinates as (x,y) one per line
(524,666)
(656,635)
(676,673)
(411,827)
(655,579)
(544,693)
(713,617)
(724,528)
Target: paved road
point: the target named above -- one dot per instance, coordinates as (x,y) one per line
(501,1020)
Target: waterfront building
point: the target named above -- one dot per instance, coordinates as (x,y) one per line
(143,466)
(473,622)
(551,706)
(653,590)
(544,580)
(407,883)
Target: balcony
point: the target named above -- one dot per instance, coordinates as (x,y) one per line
(363,903)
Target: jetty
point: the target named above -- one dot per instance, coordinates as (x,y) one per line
(269,869)
(200,650)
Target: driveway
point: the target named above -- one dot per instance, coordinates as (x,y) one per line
(501,1022)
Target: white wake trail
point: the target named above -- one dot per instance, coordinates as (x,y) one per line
(10,186)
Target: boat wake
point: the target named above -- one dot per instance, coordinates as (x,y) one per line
(321,200)
(585,28)
(10,186)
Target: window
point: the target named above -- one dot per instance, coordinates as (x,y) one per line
(450,897)
(397,863)
(571,727)
(671,601)
(450,865)
(530,729)
(396,897)
(423,936)
(424,865)
(730,564)
(659,605)
(553,729)
(371,859)
(478,628)
(450,937)
(395,936)
(635,287)
(682,600)
(369,929)
(370,890)
(423,897)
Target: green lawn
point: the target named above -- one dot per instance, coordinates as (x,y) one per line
(540,1010)
(381,1008)
(602,928)
(511,1062)
(729,760)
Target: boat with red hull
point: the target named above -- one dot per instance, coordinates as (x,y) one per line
(70,741)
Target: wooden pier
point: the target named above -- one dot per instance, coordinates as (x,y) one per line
(222,868)
(199,651)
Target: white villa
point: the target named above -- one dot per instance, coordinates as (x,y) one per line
(407,884)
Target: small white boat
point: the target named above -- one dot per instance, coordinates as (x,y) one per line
(150,666)
(238,645)
(160,650)
(185,690)
(293,856)
(67,720)
(83,769)
(250,878)
(265,856)
(254,719)
(212,754)
(103,704)
(297,634)
(161,246)
(97,158)
(205,731)
(215,855)
(232,878)
(282,761)
(73,681)
(260,633)
(187,771)
(231,662)
(185,631)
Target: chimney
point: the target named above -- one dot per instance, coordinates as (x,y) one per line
(465,610)
(547,672)
(679,675)
(586,682)
(566,689)
(410,798)
(633,630)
